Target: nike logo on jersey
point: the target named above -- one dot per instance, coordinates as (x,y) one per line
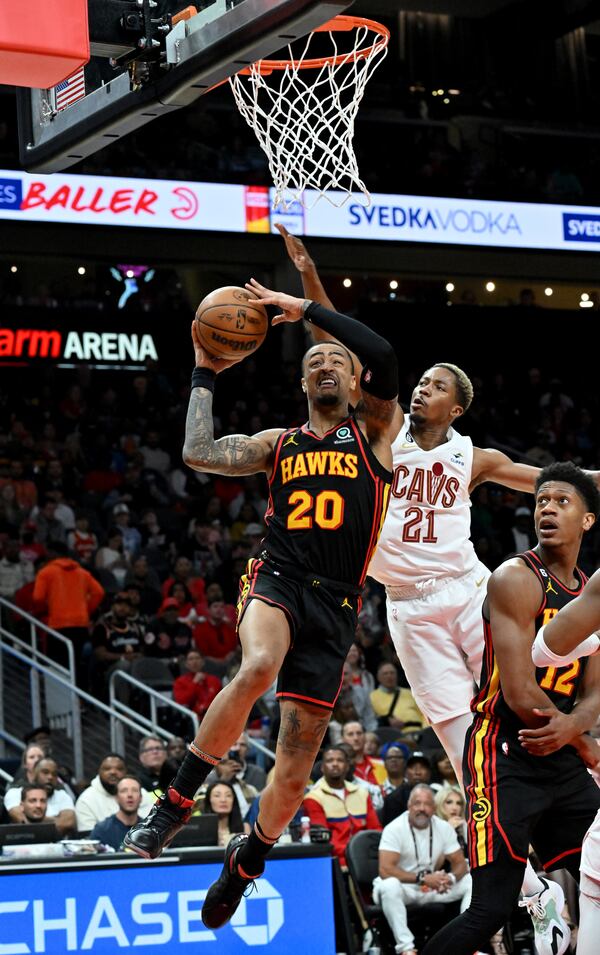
(478,583)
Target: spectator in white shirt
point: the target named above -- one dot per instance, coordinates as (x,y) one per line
(412,853)
(61,808)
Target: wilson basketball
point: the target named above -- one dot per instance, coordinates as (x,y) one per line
(232,323)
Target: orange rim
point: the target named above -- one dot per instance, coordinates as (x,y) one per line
(341,24)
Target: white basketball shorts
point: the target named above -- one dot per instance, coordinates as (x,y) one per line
(590,851)
(439,640)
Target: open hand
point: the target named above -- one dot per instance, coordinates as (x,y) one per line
(558,732)
(295,249)
(291,307)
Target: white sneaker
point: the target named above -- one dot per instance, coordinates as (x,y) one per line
(552,934)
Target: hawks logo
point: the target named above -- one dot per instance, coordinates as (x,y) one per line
(481,809)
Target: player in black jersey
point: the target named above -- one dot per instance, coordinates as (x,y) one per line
(516,797)
(570,635)
(299,601)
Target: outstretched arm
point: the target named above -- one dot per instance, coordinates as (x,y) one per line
(492,465)
(233,454)
(379,379)
(311,280)
(571,633)
(314,292)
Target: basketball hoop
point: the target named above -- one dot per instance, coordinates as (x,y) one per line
(304,125)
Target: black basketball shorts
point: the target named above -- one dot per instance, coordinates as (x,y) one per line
(322,615)
(515,799)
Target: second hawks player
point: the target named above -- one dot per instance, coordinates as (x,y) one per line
(529,786)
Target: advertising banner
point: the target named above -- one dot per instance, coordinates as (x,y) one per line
(104,341)
(156,908)
(219,207)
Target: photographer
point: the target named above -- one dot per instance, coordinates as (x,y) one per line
(412,853)
(246,779)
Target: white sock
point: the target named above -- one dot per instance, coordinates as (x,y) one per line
(532,884)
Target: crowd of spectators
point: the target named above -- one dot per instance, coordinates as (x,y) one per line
(95,503)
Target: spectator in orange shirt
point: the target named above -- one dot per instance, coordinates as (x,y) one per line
(195,688)
(215,635)
(69,595)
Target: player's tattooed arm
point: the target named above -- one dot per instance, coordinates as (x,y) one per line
(232,454)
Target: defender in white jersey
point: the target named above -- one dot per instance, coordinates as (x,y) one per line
(560,642)
(435,584)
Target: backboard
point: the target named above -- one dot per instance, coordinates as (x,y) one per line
(150,57)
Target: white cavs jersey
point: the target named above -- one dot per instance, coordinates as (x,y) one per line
(428,524)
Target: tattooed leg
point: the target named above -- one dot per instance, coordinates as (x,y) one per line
(302,730)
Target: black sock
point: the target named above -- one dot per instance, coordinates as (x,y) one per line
(251,857)
(192,773)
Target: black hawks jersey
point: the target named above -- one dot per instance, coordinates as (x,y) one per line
(328,498)
(561,684)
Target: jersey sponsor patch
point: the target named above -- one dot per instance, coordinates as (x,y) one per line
(343,435)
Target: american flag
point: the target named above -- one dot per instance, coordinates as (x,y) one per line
(70,90)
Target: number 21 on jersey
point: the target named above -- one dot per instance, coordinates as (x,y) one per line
(419,527)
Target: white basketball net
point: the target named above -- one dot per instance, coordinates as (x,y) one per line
(303,117)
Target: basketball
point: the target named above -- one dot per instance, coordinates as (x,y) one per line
(232,323)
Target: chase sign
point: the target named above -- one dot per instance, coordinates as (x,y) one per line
(156,908)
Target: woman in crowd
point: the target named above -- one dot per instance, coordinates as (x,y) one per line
(32,753)
(450,806)
(444,776)
(221,799)
(360,674)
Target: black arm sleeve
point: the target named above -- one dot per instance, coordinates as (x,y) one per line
(380,367)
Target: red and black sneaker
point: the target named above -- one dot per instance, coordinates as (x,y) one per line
(224,895)
(168,815)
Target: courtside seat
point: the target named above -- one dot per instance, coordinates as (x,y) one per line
(362,857)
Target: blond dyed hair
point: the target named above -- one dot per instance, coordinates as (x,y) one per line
(464,385)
